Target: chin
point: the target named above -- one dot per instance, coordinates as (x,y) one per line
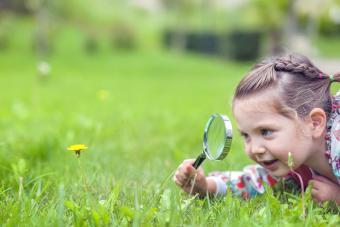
(280,172)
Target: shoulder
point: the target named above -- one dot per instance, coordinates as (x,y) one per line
(333,136)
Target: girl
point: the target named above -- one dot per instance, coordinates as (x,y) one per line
(282,106)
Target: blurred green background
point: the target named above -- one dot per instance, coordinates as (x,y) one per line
(135,81)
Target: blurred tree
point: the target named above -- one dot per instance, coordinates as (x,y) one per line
(183,11)
(42,39)
(19,6)
(280,20)
(316,11)
(5,4)
(6,27)
(123,36)
(273,15)
(101,19)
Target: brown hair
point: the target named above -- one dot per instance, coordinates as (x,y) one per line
(299,84)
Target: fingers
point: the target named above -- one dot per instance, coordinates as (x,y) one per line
(184,173)
(178,182)
(324,190)
(317,196)
(320,182)
(189,185)
(184,181)
(315,184)
(322,179)
(314,193)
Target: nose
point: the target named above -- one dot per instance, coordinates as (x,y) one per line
(256,148)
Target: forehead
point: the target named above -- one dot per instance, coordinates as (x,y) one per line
(263,102)
(258,110)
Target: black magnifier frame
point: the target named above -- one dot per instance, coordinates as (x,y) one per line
(227,136)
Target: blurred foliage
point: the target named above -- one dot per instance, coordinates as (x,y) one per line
(315,16)
(6,27)
(91,44)
(99,12)
(120,23)
(195,15)
(270,13)
(123,36)
(183,13)
(328,27)
(316,8)
(185,7)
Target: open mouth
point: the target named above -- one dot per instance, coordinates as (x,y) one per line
(269,163)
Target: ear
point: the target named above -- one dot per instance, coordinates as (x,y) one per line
(318,121)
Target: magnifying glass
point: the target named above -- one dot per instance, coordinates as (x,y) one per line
(216,140)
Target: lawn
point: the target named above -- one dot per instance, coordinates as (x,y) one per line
(140,114)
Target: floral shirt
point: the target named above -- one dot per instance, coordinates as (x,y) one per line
(333,137)
(250,182)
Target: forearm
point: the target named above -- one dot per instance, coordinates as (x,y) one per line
(211,186)
(216,186)
(209,189)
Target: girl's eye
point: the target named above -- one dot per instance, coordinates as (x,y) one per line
(266,132)
(245,136)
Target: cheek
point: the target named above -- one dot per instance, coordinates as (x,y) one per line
(247,150)
(279,150)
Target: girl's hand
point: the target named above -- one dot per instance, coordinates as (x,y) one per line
(325,190)
(191,180)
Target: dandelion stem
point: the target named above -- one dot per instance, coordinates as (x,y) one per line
(83,176)
(302,192)
(290,165)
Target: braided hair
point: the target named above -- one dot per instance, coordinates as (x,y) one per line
(299,84)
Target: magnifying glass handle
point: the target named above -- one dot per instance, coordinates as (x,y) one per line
(199,160)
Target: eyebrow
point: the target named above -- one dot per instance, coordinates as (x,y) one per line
(262,126)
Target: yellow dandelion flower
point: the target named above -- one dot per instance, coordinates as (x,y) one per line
(77,148)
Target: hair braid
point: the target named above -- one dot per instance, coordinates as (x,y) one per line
(286,65)
(310,71)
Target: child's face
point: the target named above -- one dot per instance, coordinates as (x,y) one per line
(269,136)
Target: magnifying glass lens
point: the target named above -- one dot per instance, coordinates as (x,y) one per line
(216,138)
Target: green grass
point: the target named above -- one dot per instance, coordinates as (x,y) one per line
(152,119)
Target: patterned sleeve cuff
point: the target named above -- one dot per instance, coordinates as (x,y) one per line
(221,187)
